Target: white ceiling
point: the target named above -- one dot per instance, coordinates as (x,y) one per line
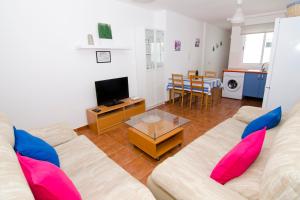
(212,11)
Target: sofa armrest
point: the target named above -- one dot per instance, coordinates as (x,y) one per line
(247,114)
(207,190)
(55,135)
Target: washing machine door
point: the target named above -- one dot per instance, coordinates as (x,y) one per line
(232,84)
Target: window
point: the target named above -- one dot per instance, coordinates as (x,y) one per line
(257,48)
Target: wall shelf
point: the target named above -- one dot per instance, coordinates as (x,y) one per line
(109,48)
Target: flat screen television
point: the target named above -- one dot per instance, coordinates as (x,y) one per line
(110,92)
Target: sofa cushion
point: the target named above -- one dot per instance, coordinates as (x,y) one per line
(240,158)
(47,181)
(13,185)
(247,114)
(34,147)
(55,134)
(6,129)
(282,171)
(95,175)
(269,120)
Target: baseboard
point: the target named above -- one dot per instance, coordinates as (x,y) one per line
(81,128)
(156,105)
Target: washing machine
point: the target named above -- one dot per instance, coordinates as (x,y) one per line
(233,85)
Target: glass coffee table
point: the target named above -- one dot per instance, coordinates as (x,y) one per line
(156,132)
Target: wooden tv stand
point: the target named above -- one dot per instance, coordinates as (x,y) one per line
(110,116)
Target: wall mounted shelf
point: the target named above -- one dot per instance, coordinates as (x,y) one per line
(109,48)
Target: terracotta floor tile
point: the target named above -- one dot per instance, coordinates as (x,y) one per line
(103,140)
(113,148)
(125,156)
(152,160)
(139,167)
(145,178)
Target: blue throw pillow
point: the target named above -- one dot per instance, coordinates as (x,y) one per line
(34,147)
(269,120)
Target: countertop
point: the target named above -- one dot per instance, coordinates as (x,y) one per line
(245,71)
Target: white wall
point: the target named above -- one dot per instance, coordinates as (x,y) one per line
(185,29)
(44,79)
(237,41)
(216,60)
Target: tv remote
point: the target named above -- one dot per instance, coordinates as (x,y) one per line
(96,110)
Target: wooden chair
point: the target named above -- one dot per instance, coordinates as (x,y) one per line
(210,74)
(178,87)
(197,90)
(191,73)
(216,92)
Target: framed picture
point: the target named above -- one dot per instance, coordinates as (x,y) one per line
(197,42)
(177,45)
(104,31)
(103,56)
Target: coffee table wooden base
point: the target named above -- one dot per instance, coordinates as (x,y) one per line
(156,148)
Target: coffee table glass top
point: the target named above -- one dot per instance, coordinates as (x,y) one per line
(155,123)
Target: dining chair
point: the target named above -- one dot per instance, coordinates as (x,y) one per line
(178,87)
(191,73)
(210,74)
(216,92)
(197,90)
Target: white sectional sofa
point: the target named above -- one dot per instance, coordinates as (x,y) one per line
(95,175)
(274,175)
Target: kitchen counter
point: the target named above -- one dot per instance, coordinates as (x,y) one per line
(246,71)
(254,81)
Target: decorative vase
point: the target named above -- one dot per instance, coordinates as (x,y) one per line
(90,39)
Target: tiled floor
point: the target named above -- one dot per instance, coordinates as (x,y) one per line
(116,145)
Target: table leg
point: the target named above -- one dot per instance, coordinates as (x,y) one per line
(219,94)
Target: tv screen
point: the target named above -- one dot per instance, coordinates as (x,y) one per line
(111,91)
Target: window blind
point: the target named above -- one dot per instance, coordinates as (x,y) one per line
(258,28)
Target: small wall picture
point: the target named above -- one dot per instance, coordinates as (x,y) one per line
(197,42)
(103,56)
(104,31)
(221,43)
(177,45)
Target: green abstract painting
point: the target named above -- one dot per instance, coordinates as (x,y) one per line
(104,31)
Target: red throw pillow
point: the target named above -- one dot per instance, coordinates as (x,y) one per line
(240,158)
(47,181)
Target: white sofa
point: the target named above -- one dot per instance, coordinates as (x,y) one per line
(274,175)
(95,175)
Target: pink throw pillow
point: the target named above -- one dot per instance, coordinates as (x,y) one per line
(47,181)
(240,158)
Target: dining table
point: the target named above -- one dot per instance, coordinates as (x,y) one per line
(209,85)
